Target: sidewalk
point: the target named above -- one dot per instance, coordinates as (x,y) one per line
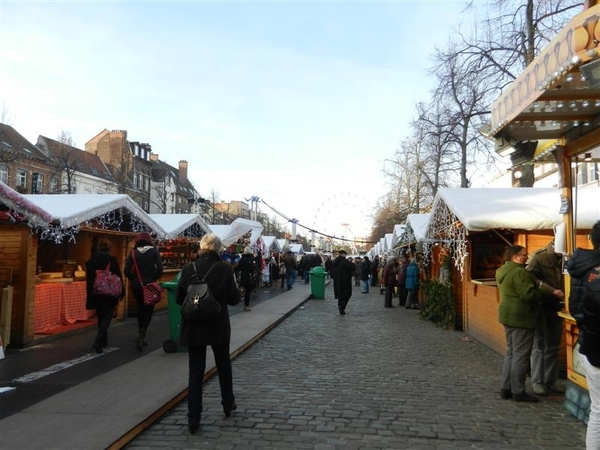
(113,406)
(374,378)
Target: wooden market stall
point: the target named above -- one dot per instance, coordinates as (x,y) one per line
(181,232)
(565,73)
(50,297)
(17,245)
(476,225)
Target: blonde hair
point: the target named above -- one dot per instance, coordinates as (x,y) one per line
(212,242)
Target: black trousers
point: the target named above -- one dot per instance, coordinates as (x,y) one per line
(197,366)
(145,312)
(389,293)
(104,315)
(342,303)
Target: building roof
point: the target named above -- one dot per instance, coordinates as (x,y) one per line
(77,159)
(13,142)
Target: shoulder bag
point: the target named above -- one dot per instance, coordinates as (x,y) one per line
(152,291)
(107,283)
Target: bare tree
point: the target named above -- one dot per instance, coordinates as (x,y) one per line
(68,163)
(495,53)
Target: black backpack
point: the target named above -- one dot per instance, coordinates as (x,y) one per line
(200,305)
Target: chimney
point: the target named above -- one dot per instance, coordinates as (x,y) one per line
(154,157)
(183,171)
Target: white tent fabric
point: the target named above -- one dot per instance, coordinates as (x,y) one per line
(418,223)
(72,210)
(296,249)
(20,204)
(283,244)
(389,241)
(175,224)
(271,243)
(229,234)
(480,209)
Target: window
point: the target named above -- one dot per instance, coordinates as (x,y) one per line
(37,183)
(53,186)
(136,180)
(21,178)
(4,173)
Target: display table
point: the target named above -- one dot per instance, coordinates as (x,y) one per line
(58,304)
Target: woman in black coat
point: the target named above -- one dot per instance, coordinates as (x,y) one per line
(104,305)
(150,267)
(197,336)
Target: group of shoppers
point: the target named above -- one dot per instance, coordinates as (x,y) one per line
(532,294)
(143,265)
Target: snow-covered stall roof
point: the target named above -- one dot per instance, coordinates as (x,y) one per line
(191,225)
(271,243)
(283,244)
(480,209)
(229,234)
(72,211)
(296,249)
(389,240)
(458,211)
(418,224)
(21,205)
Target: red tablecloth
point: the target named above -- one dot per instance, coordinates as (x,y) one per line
(48,298)
(73,303)
(58,304)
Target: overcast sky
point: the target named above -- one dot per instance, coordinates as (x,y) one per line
(298,103)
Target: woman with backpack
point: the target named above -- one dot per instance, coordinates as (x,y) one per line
(196,336)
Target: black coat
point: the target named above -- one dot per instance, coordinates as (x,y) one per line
(222,284)
(584,300)
(148,261)
(247,268)
(342,272)
(99,261)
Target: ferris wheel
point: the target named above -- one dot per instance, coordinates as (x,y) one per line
(344,216)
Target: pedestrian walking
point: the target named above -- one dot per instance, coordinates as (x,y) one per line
(342,271)
(143,262)
(401,277)
(584,306)
(247,269)
(103,304)
(411,283)
(365,274)
(546,267)
(375,266)
(196,336)
(290,269)
(388,280)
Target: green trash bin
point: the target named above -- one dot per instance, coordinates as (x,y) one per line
(317,282)
(171,345)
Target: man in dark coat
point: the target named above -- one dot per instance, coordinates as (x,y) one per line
(198,335)
(342,273)
(584,306)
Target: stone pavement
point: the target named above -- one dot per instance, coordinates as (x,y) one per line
(375,378)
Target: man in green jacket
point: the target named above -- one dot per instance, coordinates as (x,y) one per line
(520,298)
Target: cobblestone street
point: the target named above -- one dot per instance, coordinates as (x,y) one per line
(374,379)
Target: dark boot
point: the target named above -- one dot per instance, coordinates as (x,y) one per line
(139,340)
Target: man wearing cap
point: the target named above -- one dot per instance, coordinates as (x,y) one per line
(342,272)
